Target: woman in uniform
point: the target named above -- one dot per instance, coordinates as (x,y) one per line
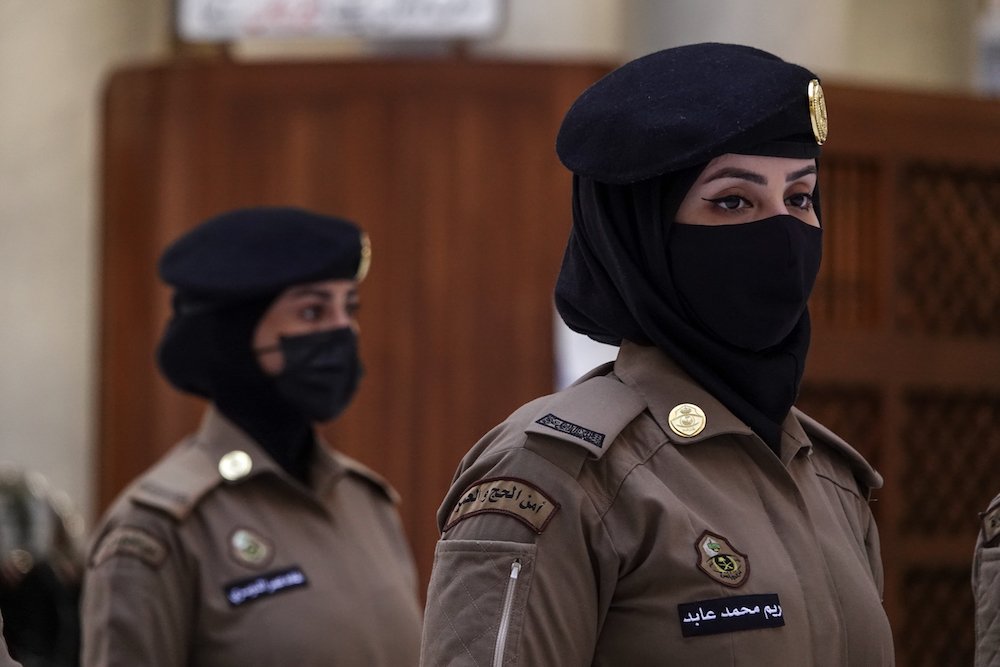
(673,507)
(252,542)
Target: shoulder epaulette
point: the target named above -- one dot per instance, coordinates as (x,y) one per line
(863,471)
(177,483)
(364,472)
(589,414)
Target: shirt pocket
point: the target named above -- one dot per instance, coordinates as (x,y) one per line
(476,603)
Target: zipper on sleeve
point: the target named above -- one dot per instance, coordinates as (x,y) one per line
(508,604)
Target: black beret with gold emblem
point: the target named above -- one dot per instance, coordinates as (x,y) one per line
(683,106)
(254,252)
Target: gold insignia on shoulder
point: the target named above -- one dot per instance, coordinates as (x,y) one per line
(366,258)
(817,111)
(131,542)
(505,495)
(249,548)
(235,465)
(687,420)
(721,561)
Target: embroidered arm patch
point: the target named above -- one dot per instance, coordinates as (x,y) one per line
(505,495)
(133,543)
(991,526)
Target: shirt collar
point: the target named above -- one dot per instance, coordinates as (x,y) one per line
(665,387)
(220,438)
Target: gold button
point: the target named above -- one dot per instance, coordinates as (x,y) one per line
(235,465)
(687,420)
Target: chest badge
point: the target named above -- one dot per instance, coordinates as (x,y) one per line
(249,548)
(721,561)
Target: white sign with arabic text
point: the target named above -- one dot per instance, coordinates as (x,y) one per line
(219,20)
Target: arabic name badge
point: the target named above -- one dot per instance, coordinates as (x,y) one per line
(732,614)
(721,561)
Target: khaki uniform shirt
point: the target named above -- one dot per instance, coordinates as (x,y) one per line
(986,587)
(217,557)
(5,659)
(602,526)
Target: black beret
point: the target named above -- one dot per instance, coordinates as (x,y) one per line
(683,106)
(257,252)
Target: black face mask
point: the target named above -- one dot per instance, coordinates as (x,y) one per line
(321,373)
(747,284)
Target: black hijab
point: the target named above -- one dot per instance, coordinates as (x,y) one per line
(616,284)
(636,141)
(207,350)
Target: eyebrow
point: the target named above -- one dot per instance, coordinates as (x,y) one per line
(754,177)
(733,172)
(796,175)
(312,291)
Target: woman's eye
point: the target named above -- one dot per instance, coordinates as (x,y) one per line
(729,202)
(802,201)
(311,313)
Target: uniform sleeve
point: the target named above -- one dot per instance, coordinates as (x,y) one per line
(5,659)
(986,588)
(137,606)
(510,586)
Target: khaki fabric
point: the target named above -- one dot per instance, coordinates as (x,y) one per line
(190,569)
(986,587)
(760,560)
(5,659)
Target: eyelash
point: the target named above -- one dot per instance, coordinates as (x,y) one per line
(719,202)
(312,313)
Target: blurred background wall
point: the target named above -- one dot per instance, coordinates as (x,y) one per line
(56,55)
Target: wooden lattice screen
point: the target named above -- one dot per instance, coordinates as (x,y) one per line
(906,354)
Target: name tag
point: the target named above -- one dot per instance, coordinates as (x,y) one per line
(732,614)
(272,583)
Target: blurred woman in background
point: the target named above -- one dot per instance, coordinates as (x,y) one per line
(252,542)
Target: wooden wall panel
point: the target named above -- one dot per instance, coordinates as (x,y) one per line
(450,167)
